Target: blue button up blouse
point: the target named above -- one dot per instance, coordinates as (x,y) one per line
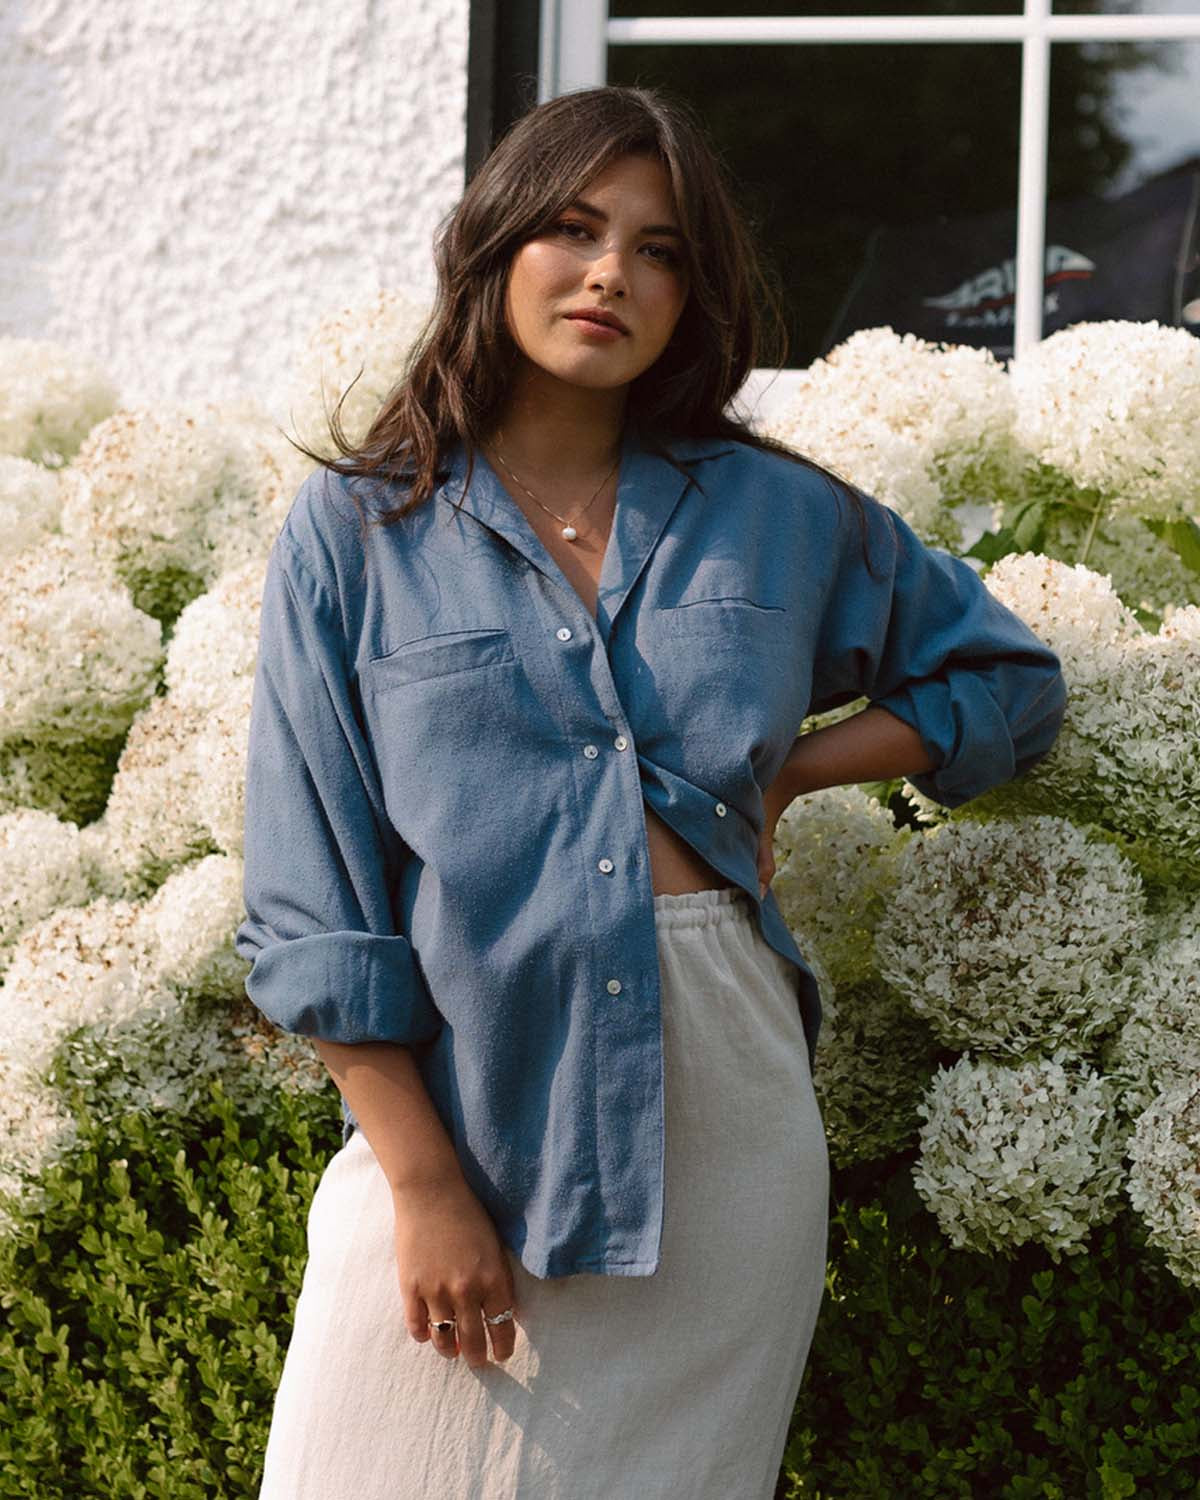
(445,841)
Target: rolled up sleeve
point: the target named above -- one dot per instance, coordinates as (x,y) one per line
(320,856)
(924,639)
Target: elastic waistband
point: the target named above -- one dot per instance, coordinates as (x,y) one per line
(702,908)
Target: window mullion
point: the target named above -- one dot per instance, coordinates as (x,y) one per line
(1031,177)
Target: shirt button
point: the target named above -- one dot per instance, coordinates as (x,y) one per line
(621,743)
(606,865)
(591,752)
(720,809)
(613,986)
(563,633)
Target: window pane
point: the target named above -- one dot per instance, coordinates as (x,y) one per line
(877,177)
(1124,183)
(632,9)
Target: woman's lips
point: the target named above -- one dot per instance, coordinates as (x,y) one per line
(598,330)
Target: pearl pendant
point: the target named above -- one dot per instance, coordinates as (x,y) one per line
(570,533)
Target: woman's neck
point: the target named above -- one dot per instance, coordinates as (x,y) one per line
(558,431)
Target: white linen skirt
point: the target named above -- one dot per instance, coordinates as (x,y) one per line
(619,1387)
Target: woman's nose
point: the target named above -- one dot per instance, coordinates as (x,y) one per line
(608,273)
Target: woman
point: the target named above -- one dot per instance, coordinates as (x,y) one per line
(533,659)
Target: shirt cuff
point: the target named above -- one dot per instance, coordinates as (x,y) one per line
(969,741)
(344,987)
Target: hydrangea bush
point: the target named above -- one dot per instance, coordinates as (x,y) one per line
(1009,988)
(1010,1154)
(1031,958)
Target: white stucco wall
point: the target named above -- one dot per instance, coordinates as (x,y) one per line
(187,185)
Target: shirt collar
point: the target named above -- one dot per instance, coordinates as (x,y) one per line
(648,490)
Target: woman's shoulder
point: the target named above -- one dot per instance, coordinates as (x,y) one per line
(784,476)
(322,530)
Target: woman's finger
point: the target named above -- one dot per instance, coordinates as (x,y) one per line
(445,1340)
(503,1335)
(416,1316)
(472,1340)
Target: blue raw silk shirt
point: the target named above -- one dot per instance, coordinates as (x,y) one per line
(446,750)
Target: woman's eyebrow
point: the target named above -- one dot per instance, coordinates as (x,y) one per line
(598,213)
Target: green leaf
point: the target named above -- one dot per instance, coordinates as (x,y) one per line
(993,545)
(1024,532)
(1182,536)
(1029,526)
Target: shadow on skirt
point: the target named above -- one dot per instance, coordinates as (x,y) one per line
(676,1386)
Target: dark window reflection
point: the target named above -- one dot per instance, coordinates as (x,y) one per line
(833,146)
(882,178)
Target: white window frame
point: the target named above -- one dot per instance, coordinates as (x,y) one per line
(576,35)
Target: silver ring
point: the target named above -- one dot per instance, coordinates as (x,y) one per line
(443,1325)
(504,1317)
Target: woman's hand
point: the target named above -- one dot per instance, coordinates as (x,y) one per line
(453,1264)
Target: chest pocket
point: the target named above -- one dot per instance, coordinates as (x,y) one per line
(450,652)
(722,610)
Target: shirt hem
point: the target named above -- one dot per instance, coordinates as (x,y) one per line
(546,1269)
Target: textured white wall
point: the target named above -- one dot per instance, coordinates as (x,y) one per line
(187,185)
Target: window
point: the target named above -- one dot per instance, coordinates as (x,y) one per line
(981,171)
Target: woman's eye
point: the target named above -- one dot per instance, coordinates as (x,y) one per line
(668,257)
(664,254)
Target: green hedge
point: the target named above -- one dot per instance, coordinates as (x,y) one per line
(148,1306)
(943,1374)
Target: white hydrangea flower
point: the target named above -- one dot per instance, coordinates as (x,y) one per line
(35,1131)
(50,399)
(1128,756)
(187,929)
(29,505)
(874,1059)
(152,822)
(920,426)
(927,812)
(374,337)
(1014,1154)
(1008,936)
(1115,406)
(75,967)
(220,753)
(1164,1177)
(165,1061)
(215,639)
(835,853)
(1159,1044)
(79,658)
(41,869)
(160,1058)
(1074,609)
(272,471)
(278,1059)
(171,498)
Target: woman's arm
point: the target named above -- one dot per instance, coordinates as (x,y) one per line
(873,745)
(331,961)
(449,1258)
(381,1084)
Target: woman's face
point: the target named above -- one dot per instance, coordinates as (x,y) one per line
(613,249)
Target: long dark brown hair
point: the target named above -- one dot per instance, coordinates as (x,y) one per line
(458,371)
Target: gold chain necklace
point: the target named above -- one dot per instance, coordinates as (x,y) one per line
(568,530)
